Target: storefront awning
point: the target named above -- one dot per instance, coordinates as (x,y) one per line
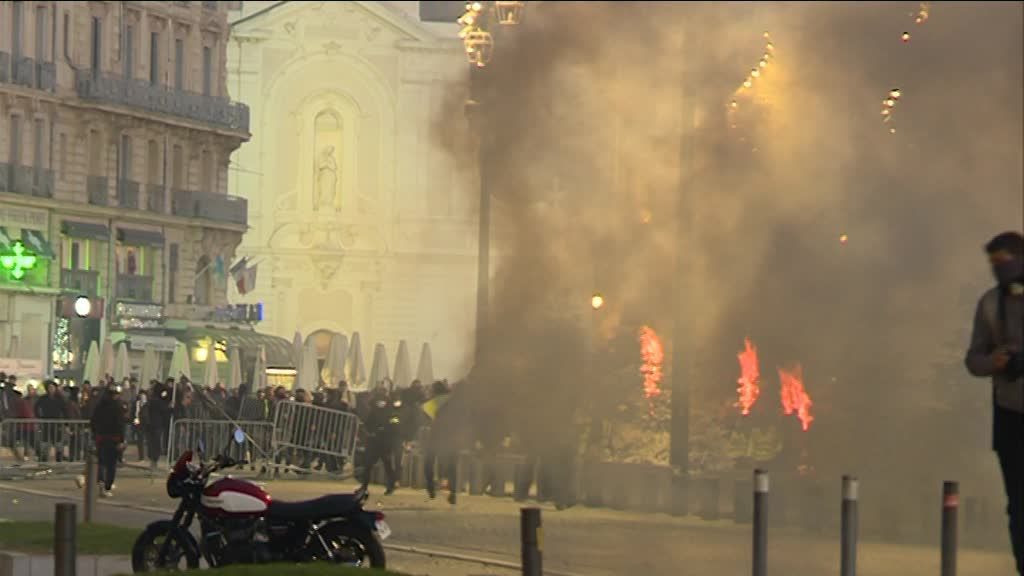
(85,230)
(278,350)
(34,241)
(139,237)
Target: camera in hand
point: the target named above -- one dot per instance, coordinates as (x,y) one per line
(1015,366)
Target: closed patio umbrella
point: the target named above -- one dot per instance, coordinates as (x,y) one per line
(425,367)
(379,367)
(403,371)
(355,370)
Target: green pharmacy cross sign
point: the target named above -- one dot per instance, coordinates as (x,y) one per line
(18,261)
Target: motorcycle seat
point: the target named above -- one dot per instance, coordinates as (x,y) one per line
(313,510)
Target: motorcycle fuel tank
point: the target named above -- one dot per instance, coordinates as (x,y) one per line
(232,497)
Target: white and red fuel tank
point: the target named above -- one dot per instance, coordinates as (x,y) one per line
(234,498)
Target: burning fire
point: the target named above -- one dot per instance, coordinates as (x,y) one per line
(750,378)
(794,397)
(652,354)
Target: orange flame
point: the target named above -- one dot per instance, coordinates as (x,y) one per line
(750,378)
(652,354)
(794,397)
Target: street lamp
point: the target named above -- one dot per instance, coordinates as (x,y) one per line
(596,301)
(509,12)
(479,46)
(83,306)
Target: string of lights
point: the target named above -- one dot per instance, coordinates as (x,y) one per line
(893,97)
(745,89)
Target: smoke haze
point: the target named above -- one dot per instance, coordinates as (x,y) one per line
(589,109)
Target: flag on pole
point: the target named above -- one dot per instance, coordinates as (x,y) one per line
(218,265)
(245,281)
(238,267)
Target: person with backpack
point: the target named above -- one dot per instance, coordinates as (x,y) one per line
(996,351)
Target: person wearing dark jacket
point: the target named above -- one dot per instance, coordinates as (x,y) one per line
(996,351)
(108,430)
(157,419)
(53,406)
(443,439)
(381,429)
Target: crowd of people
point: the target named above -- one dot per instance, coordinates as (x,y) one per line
(125,414)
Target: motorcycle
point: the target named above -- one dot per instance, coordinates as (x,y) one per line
(239,523)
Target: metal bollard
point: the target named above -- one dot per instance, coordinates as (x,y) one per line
(89,498)
(950,507)
(760,560)
(64,540)
(848,530)
(532,542)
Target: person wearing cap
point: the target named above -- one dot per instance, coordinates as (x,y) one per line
(996,351)
(108,429)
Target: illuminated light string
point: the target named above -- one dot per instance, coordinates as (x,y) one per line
(756,72)
(893,98)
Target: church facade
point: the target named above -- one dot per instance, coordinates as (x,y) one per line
(360,219)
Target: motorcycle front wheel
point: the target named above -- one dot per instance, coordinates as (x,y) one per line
(146,551)
(353,546)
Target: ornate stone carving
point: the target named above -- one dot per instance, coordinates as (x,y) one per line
(326,267)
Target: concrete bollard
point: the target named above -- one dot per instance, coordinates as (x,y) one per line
(950,507)
(760,559)
(848,529)
(89,498)
(64,540)
(532,538)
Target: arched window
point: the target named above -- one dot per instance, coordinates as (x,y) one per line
(204,282)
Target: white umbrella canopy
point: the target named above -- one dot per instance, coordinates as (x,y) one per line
(259,375)
(334,368)
(297,348)
(403,370)
(425,368)
(149,366)
(106,359)
(179,363)
(91,372)
(309,376)
(355,370)
(379,368)
(235,377)
(210,374)
(121,369)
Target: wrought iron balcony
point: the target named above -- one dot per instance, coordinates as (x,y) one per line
(24,72)
(216,207)
(42,183)
(5,67)
(5,177)
(141,95)
(25,180)
(99,194)
(84,282)
(135,288)
(155,198)
(128,194)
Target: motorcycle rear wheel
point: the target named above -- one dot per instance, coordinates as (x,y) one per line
(147,549)
(353,546)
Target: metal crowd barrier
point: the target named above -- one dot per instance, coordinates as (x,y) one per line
(44,441)
(303,433)
(215,435)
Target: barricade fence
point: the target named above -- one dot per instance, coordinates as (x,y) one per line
(304,433)
(45,441)
(213,436)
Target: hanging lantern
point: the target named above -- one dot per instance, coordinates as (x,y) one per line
(509,12)
(479,46)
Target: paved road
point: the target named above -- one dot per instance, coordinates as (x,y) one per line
(583,541)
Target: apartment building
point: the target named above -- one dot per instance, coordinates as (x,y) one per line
(115,135)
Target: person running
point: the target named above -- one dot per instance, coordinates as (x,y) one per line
(108,429)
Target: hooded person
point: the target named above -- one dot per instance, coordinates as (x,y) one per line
(996,351)
(107,425)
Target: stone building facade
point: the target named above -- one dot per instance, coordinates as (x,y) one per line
(115,137)
(360,218)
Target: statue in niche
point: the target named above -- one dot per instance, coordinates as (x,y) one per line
(327,141)
(327,181)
